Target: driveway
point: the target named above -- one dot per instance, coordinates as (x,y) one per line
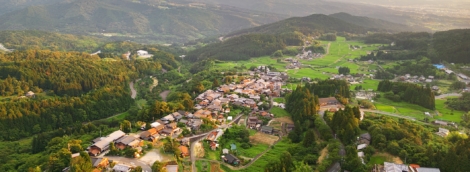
(131,161)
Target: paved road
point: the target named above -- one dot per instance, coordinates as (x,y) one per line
(442,96)
(131,161)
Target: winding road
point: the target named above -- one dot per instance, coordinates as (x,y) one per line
(133,91)
(131,161)
(3,48)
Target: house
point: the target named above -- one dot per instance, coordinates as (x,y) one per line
(166,131)
(171,125)
(211,136)
(99,146)
(267,129)
(169,117)
(149,135)
(184,151)
(224,151)
(437,122)
(361,146)
(171,168)
(392,167)
(424,169)
(443,132)
(252,121)
(231,159)
(233,147)
(128,141)
(290,127)
(30,94)
(121,168)
(194,124)
(100,162)
(328,101)
(435,88)
(365,138)
(213,145)
(142,53)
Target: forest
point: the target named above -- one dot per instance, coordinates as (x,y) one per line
(417,144)
(244,47)
(76,88)
(408,92)
(450,46)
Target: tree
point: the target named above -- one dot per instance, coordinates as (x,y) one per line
(137,169)
(457,85)
(58,161)
(81,163)
(309,140)
(126,126)
(302,167)
(277,53)
(215,83)
(344,70)
(159,166)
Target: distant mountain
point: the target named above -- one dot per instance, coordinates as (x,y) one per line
(165,22)
(377,23)
(308,7)
(7,6)
(321,23)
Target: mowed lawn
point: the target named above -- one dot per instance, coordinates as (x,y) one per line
(446,113)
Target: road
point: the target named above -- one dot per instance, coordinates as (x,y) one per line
(131,161)
(442,96)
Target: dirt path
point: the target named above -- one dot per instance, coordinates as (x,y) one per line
(133,91)
(328,49)
(164,94)
(154,84)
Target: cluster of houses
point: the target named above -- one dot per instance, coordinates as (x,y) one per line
(119,138)
(294,63)
(415,79)
(353,78)
(308,55)
(393,167)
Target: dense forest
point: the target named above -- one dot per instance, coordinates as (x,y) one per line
(408,92)
(451,46)
(417,144)
(329,88)
(77,87)
(244,47)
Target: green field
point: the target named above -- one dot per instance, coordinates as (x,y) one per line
(402,108)
(340,55)
(446,113)
(271,155)
(279,100)
(278,112)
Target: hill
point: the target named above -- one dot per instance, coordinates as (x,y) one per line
(319,23)
(452,46)
(376,23)
(135,19)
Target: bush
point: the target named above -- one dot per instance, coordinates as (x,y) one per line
(245,145)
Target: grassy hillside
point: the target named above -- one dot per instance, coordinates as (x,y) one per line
(125,18)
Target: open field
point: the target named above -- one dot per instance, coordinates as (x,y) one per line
(446,113)
(279,100)
(279,112)
(380,158)
(271,155)
(261,138)
(339,55)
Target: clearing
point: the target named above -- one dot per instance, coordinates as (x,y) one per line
(262,138)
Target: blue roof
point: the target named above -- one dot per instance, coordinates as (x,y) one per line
(233,146)
(438,66)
